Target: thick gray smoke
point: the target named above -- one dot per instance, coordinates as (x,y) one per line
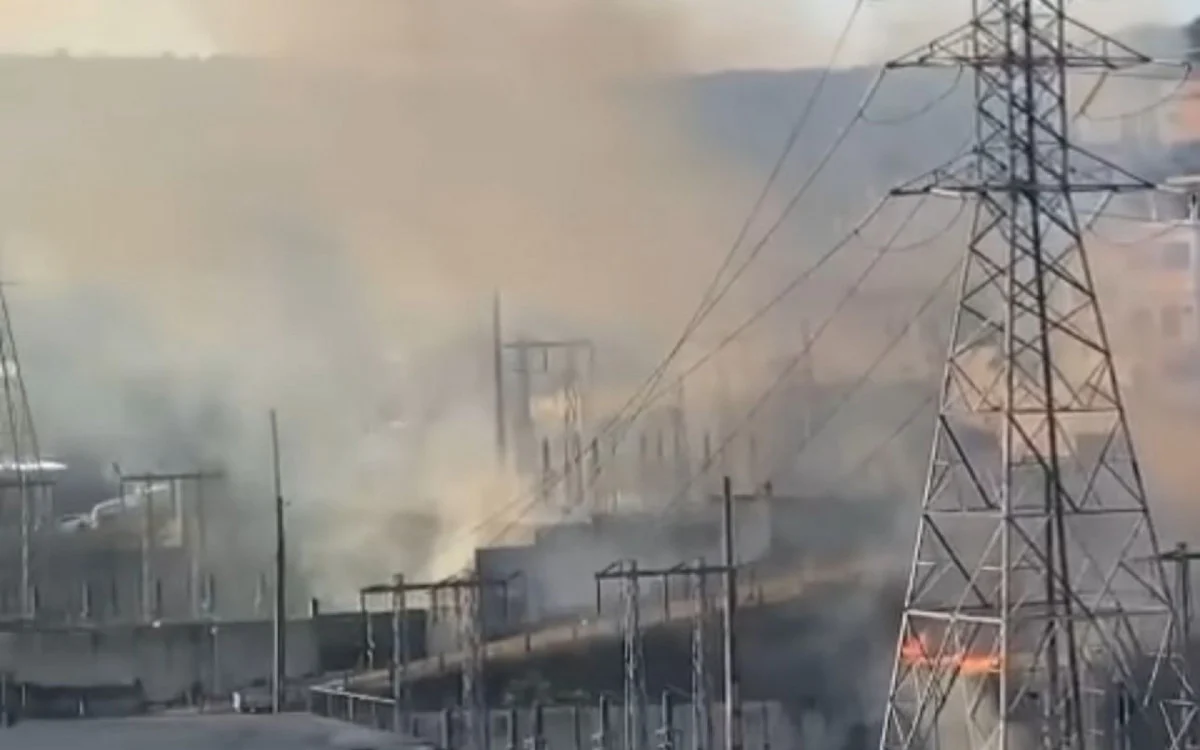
(200,241)
(320,230)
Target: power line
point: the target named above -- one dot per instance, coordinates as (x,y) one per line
(717,291)
(863,379)
(795,361)
(1183,81)
(782,294)
(708,302)
(920,111)
(883,445)
(778,298)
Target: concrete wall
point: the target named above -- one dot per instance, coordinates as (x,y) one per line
(167,660)
(555,576)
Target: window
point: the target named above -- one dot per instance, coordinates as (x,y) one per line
(1177,256)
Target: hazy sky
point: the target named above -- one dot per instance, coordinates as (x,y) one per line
(720,33)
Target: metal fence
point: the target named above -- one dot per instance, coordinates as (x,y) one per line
(354,708)
(573,727)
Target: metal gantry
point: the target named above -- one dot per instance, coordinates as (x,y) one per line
(1026,601)
(469,593)
(634,708)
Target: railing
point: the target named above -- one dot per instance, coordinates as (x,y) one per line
(353,708)
(559,727)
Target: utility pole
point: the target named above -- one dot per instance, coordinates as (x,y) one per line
(1024,598)
(279,674)
(401,708)
(733,699)
(498,376)
(701,673)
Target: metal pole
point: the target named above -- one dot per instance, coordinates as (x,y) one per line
(399,657)
(733,713)
(511,730)
(701,708)
(498,374)
(600,737)
(537,730)
(666,731)
(280,670)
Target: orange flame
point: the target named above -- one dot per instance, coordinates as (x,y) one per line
(916,651)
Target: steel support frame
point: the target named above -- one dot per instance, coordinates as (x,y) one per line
(1025,586)
(628,574)
(469,593)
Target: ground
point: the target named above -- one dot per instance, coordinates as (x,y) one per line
(224,732)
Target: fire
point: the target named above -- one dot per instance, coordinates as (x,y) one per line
(916,651)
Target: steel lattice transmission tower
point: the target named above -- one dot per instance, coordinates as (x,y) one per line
(1030,608)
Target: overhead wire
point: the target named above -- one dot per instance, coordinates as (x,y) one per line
(875,453)
(756,316)
(924,109)
(782,377)
(1186,76)
(647,392)
(883,355)
(761,312)
(800,279)
(795,361)
(889,246)
(716,291)
(904,332)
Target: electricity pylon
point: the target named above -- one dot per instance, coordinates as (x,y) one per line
(1029,605)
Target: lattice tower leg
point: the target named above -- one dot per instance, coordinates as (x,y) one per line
(701,677)
(1028,578)
(475,728)
(634,708)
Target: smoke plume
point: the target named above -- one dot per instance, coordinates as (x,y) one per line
(320,232)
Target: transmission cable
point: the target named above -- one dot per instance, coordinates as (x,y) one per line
(778,382)
(716,290)
(747,323)
(620,421)
(880,447)
(839,307)
(922,110)
(761,312)
(1173,94)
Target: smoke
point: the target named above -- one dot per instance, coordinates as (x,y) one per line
(198,242)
